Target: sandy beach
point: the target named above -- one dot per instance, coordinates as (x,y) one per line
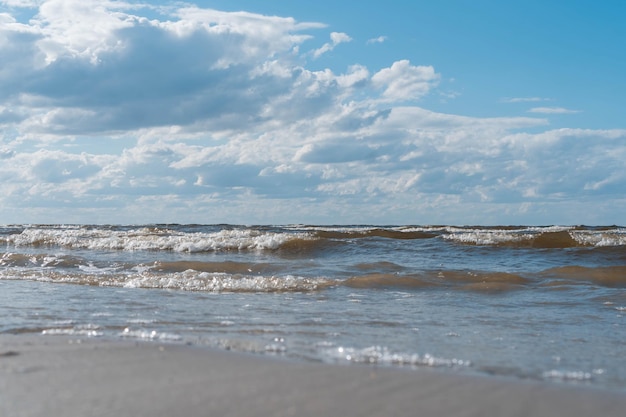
(61,376)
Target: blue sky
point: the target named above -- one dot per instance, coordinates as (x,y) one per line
(250,112)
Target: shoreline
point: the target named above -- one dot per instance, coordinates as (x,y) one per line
(68,376)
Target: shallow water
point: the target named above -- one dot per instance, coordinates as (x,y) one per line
(544,303)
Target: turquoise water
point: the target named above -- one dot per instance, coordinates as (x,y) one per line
(542,303)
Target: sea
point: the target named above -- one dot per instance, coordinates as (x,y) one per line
(528,303)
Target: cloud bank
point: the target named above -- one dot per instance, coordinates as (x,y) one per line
(118,112)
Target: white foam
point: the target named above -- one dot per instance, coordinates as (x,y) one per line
(189,280)
(91,269)
(382,355)
(568,375)
(192,280)
(488,237)
(600,238)
(149,239)
(150,335)
(338,229)
(72,332)
(479,236)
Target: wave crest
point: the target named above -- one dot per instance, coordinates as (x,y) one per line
(188,280)
(152,239)
(555,237)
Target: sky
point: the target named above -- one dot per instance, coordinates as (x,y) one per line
(481,112)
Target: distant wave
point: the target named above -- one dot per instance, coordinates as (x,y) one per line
(299,239)
(376,232)
(151,239)
(539,237)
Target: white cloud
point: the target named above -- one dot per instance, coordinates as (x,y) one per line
(552,110)
(525,99)
(335,39)
(379,39)
(21,3)
(199,115)
(79,28)
(243,36)
(403,81)
(118,71)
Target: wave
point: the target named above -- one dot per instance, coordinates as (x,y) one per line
(464,280)
(545,237)
(541,238)
(39,260)
(490,281)
(299,245)
(153,239)
(606,276)
(188,280)
(377,232)
(226,267)
(382,280)
(218,277)
(47,262)
(295,241)
(379,266)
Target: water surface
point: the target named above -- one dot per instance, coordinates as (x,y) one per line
(543,303)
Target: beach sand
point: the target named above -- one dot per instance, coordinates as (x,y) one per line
(61,376)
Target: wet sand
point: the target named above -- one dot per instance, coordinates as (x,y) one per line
(60,376)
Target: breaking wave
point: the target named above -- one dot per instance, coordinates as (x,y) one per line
(153,239)
(298,258)
(538,237)
(297,239)
(189,280)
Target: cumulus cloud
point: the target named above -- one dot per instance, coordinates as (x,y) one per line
(97,67)
(199,115)
(403,81)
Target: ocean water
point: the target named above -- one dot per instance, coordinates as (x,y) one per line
(538,303)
